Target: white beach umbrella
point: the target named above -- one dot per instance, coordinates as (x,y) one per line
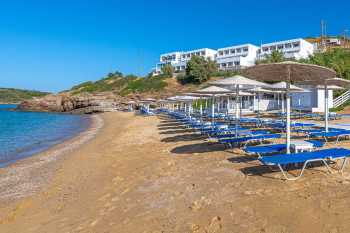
(236,82)
(289,72)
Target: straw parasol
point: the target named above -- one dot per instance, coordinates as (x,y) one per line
(290,72)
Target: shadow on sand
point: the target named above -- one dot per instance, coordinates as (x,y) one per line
(184,138)
(198,148)
(180,131)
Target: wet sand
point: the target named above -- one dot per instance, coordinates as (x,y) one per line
(149,174)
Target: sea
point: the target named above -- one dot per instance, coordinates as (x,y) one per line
(23,134)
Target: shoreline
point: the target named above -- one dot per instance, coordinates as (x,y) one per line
(26,176)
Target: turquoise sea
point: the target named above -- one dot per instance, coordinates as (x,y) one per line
(23,134)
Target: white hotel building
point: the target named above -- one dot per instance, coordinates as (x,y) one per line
(292,49)
(179,59)
(238,56)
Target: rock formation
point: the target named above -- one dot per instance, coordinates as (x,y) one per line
(68,103)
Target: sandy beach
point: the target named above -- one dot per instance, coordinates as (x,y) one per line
(151,175)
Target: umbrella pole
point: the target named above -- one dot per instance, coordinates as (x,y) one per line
(237,113)
(228,104)
(326,107)
(258,106)
(212,108)
(201,107)
(282,102)
(288,115)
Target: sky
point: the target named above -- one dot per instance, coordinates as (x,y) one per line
(52,45)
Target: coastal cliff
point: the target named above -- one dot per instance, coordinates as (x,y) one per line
(68,103)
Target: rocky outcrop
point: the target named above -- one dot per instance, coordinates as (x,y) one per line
(68,103)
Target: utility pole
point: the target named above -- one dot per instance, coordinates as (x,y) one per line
(323,34)
(345,38)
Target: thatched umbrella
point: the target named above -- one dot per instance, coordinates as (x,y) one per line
(290,72)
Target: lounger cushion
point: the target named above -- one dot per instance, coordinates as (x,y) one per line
(284,159)
(265,149)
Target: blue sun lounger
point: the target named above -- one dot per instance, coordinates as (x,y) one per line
(275,148)
(245,140)
(335,134)
(323,156)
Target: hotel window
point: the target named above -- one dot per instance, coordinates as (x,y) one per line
(245,49)
(183,56)
(238,50)
(226,52)
(237,63)
(223,64)
(265,49)
(272,48)
(280,46)
(230,64)
(173,57)
(221,53)
(188,55)
(296,44)
(203,53)
(197,54)
(233,51)
(287,46)
(183,67)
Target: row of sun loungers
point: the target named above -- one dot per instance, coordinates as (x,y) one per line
(273,154)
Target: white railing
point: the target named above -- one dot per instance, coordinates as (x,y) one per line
(341,99)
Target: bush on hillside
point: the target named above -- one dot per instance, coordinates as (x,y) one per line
(198,70)
(168,71)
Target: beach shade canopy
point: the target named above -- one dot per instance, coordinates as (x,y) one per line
(289,72)
(239,80)
(329,87)
(262,90)
(212,90)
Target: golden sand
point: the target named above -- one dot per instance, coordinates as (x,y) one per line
(149,174)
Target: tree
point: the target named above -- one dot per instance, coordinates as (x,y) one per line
(275,56)
(199,69)
(118,74)
(167,70)
(337,59)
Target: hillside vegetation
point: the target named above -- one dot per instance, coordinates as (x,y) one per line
(198,71)
(121,85)
(11,95)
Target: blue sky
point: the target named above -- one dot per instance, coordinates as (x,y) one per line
(52,45)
